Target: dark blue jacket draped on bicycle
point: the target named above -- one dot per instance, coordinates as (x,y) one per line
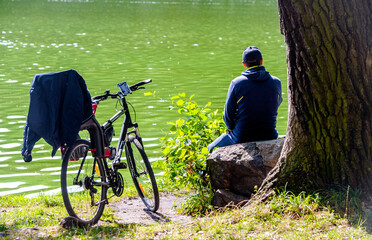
(59,102)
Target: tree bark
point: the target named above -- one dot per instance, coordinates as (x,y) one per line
(329,63)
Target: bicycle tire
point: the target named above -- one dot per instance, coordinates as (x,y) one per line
(80,196)
(142,174)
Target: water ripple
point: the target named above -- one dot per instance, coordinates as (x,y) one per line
(18,175)
(2,130)
(10,145)
(24,189)
(11,184)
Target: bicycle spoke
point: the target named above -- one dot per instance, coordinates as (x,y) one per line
(83,194)
(142,174)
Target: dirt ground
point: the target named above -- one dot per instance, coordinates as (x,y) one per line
(134,211)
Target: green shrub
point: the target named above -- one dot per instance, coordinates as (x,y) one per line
(185,150)
(185,146)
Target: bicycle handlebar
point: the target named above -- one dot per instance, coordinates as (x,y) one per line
(105,96)
(133,88)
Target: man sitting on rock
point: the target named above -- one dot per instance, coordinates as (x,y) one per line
(252,104)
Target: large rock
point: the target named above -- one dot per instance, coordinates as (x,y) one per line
(236,171)
(224,197)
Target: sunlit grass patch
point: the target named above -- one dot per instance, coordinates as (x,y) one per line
(285,216)
(21,212)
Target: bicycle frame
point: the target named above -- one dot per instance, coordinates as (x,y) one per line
(127,124)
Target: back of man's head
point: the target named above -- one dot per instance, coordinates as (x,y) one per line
(252,56)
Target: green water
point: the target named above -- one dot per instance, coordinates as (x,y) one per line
(184,46)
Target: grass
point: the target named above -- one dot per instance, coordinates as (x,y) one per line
(284,216)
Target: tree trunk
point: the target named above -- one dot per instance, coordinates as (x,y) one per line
(329,58)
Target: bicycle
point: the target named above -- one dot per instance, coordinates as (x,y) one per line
(86,175)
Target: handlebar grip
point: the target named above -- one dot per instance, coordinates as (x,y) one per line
(134,87)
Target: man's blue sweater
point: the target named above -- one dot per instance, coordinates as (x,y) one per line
(252,106)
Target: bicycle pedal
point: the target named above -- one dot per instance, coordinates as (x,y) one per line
(120,165)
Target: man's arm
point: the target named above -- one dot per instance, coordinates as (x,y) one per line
(229,115)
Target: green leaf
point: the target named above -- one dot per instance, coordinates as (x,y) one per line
(175,97)
(183,152)
(179,122)
(181,111)
(173,128)
(166,150)
(194,112)
(205,150)
(203,117)
(180,102)
(191,106)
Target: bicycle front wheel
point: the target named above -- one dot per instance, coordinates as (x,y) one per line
(83,183)
(142,174)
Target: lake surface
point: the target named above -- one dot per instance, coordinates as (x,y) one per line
(184,46)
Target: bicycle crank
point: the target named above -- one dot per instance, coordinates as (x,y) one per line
(118,184)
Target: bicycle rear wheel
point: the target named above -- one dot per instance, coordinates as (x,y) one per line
(142,174)
(83,183)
